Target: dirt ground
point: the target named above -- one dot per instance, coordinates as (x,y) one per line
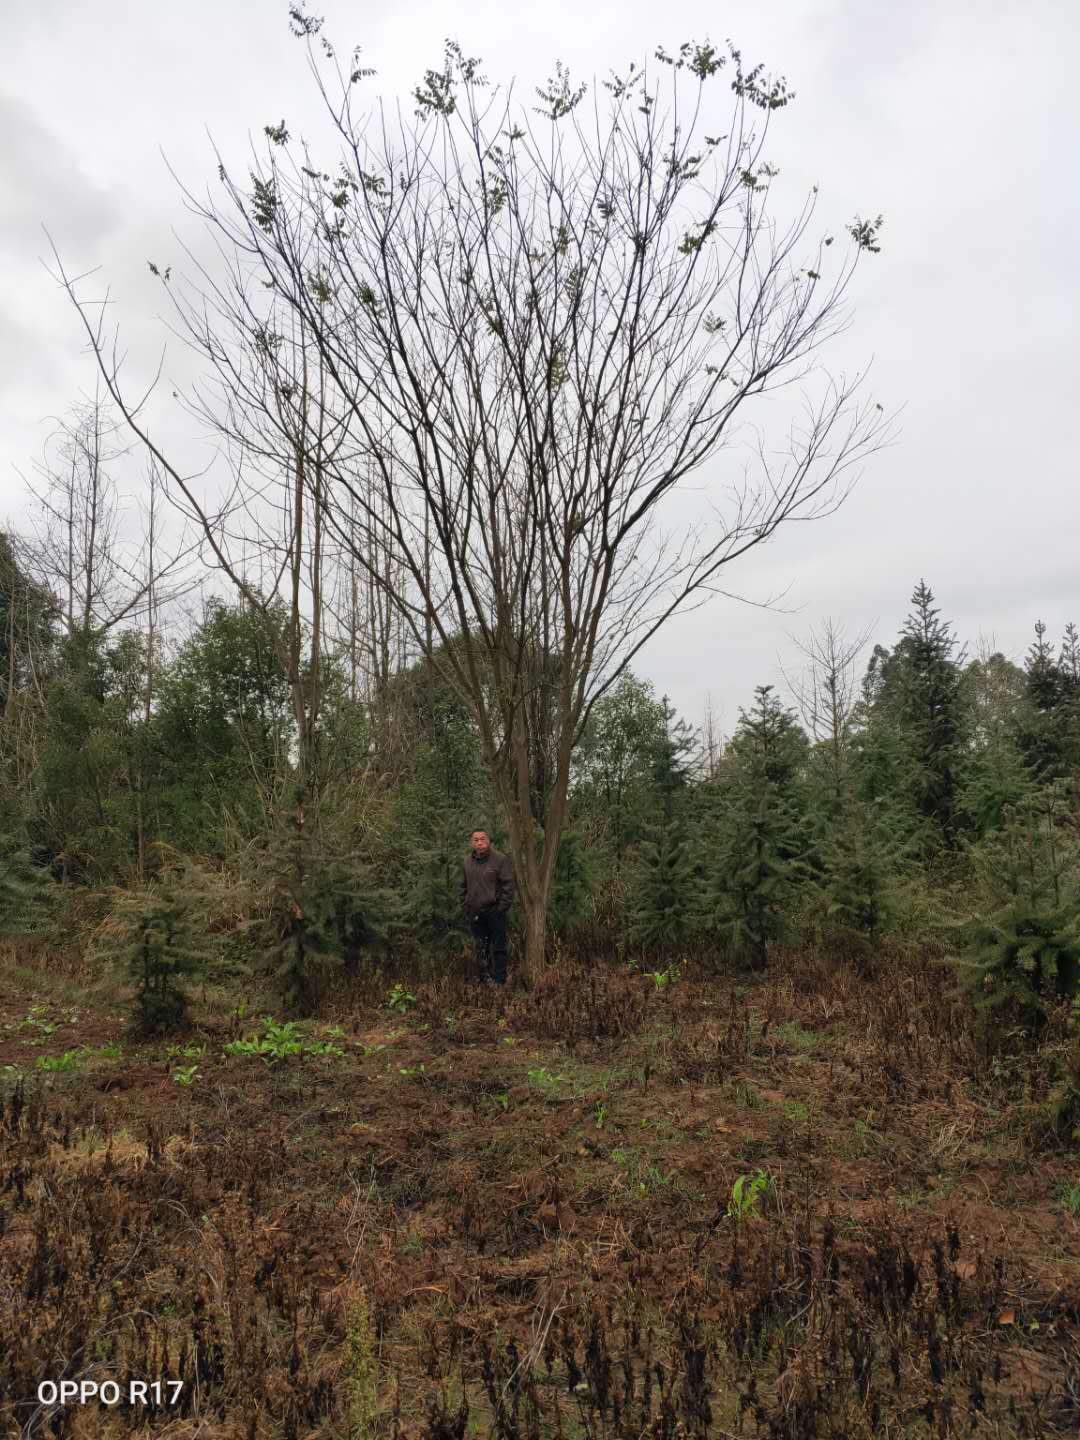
(805,1204)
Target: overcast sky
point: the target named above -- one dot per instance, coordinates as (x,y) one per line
(956,119)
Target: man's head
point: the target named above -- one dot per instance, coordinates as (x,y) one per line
(480,843)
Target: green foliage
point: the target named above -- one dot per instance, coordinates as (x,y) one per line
(326,908)
(222,727)
(916,695)
(436,805)
(161,947)
(400,1000)
(572,883)
(28,895)
(663,908)
(28,617)
(747,1193)
(1049,736)
(273,1042)
(549,1085)
(865,874)
(754,833)
(664,876)
(1023,950)
(84,802)
(615,766)
(69,1060)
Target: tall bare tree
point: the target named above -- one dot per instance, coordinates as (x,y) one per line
(826,694)
(534,325)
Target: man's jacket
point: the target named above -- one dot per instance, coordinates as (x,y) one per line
(487,882)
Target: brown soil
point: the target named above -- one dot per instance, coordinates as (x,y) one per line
(512,1214)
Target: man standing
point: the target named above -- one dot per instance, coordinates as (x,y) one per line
(487,892)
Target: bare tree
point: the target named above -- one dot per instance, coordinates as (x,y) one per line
(826,695)
(532,330)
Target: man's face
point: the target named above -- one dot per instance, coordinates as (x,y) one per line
(480,842)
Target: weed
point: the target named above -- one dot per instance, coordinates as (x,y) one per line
(747,1193)
(645,1177)
(747,1096)
(866,1136)
(910,1198)
(792,1033)
(70,1060)
(1069,1196)
(188,1052)
(186,1074)
(601,1115)
(400,1000)
(411,1070)
(796,1111)
(547,1083)
(277,1042)
(34,1020)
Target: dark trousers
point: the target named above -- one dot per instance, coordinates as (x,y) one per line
(489,943)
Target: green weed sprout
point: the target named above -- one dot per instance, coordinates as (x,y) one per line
(400,1000)
(747,1193)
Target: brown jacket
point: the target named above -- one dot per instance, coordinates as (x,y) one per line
(487,882)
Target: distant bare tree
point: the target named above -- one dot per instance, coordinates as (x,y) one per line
(532,330)
(826,695)
(98,574)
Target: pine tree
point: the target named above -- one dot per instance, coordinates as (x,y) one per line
(863,872)
(1050,740)
(665,893)
(161,949)
(326,908)
(754,836)
(664,897)
(430,908)
(572,884)
(932,708)
(1024,950)
(993,774)
(27,894)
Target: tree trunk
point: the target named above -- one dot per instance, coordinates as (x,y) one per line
(535,907)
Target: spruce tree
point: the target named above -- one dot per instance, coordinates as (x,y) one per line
(27,893)
(326,907)
(436,806)
(754,839)
(993,774)
(863,874)
(162,950)
(1050,739)
(931,708)
(572,884)
(664,899)
(1023,950)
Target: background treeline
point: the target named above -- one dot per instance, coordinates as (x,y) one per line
(186,805)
